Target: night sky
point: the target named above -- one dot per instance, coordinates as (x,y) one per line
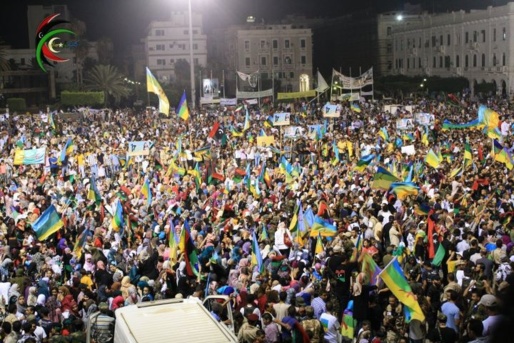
(125,20)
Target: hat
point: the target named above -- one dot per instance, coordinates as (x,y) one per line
(441,317)
(103,306)
(253,317)
(488,300)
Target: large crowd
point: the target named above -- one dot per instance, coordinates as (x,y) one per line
(184,216)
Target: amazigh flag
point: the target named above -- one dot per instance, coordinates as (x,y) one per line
(319,245)
(256,254)
(153,86)
(47,224)
(323,228)
(370,268)
(147,192)
(247,120)
(79,244)
(355,107)
(348,325)
(117,221)
(364,162)
(383,179)
(187,246)
(395,280)
(93,193)
(67,150)
(384,134)
(51,120)
(432,159)
(182,109)
(404,189)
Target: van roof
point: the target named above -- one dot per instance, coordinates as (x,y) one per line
(186,320)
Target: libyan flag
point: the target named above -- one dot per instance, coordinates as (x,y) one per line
(439,255)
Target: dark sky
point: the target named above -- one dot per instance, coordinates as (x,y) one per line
(125,20)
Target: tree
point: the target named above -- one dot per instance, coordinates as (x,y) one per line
(108,79)
(4,62)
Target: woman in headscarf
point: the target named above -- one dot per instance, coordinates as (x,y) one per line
(43,287)
(21,304)
(133,297)
(66,299)
(32,297)
(88,264)
(41,300)
(54,306)
(14,291)
(117,302)
(125,285)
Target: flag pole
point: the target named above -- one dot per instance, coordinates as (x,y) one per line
(223,76)
(331,84)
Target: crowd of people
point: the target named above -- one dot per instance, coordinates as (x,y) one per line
(183,217)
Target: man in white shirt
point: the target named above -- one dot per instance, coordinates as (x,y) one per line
(330,325)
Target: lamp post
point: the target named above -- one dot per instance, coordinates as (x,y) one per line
(192,62)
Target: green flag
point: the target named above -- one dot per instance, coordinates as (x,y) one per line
(439,255)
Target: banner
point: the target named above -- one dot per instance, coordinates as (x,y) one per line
(331,111)
(293,131)
(252,79)
(138,148)
(349,82)
(424,118)
(208,100)
(265,140)
(281,119)
(296,95)
(28,157)
(405,124)
(409,150)
(314,128)
(249,95)
(228,101)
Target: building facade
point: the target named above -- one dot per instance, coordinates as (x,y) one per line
(475,45)
(168,41)
(280,54)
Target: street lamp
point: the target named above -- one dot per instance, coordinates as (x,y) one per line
(192,62)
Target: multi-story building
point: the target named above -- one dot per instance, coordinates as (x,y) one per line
(281,54)
(168,41)
(475,45)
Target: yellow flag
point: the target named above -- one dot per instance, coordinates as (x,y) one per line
(153,86)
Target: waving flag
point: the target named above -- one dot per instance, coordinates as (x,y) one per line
(370,268)
(256,254)
(404,189)
(182,109)
(147,192)
(47,224)
(395,280)
(364,162)
(117,219)
(319,245)
(323,228)
(153,86)
(383,179)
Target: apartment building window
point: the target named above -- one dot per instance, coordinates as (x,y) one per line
(475,36)
(457,61)
(408,63)
(504,60)
(389,30)
(504,34)
(161,62)
(159,32)
(291,75)
(247,61)
(159,47)
(419,62)
(466,61)
(172,61)
(303,59)
(195,32)
(195,46)
(263,44)
(434,40)
(263,61)
(483,36)
(466,40)
(483,60)
(419,42)
(494,35)
(288,60)
(186,32)
(275,44)
(247,45)
(440,61)
(448,39)
(275,60)
(494,60)
(474,60)
(303,43)
(434,62)
(408,43)
(447,61)
(287,44)
(441,42)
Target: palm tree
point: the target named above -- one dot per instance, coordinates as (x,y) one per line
(4,63)
(107,79)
